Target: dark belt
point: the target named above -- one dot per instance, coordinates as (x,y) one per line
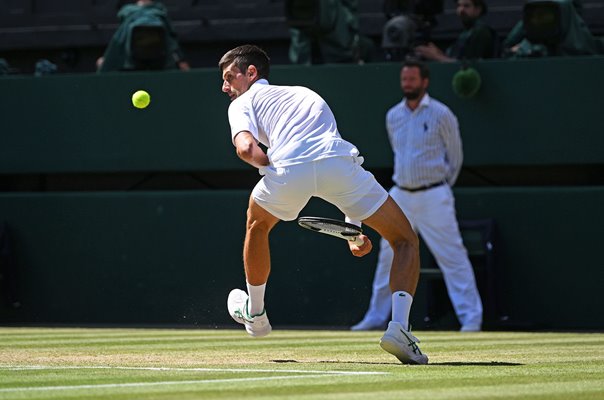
(421,188)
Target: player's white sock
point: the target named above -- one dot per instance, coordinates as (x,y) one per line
(401,307)
(256,302)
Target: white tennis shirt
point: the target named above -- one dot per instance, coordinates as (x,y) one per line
(293,122)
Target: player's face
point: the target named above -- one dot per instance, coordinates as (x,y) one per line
(412,83)
(234,82)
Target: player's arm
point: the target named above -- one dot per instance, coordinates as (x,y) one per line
(249,151)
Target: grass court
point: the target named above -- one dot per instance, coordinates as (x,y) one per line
(145,364)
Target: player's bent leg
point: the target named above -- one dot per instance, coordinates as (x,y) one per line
(392,224)
(256,253)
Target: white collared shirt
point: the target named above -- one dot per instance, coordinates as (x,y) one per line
(426,143)
(293,122)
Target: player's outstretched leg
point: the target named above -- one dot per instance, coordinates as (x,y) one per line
(402,344)
(256,325)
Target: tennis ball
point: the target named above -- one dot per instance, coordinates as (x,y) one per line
(141,99)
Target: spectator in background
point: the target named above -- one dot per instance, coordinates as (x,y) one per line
(326,32)
(42,67)
(5,68)
(569,35)
(478,40)
(145,40)
(45,67)
(425,139)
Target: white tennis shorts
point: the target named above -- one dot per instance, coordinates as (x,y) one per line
(341,181)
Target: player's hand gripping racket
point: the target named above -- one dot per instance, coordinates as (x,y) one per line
(333,227)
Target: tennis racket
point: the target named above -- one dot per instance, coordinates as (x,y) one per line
(333,227)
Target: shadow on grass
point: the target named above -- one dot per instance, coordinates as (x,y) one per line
(449,363)
(483,363)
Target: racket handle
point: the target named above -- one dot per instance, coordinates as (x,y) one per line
(357,241)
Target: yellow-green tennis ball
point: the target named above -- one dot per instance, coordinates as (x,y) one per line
(141,99)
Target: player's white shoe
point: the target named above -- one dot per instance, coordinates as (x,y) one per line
(402,344)
(255,325)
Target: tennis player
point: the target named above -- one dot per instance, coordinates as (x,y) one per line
(306,157)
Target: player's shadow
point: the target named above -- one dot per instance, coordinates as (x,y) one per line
(477,363)
(447,363)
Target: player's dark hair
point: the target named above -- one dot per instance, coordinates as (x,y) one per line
(424,71)
(244,56)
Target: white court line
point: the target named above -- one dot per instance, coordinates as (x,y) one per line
(292,371)
(141,384)
(302,374)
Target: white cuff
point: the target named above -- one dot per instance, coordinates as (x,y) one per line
(352,221)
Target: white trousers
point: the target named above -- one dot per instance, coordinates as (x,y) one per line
(432,214)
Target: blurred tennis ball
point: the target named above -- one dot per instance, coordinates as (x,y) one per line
(466,82)
(141,99)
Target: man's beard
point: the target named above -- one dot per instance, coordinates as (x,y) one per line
(413,94)
(468,22)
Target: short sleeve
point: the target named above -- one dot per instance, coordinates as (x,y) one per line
(242,118)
